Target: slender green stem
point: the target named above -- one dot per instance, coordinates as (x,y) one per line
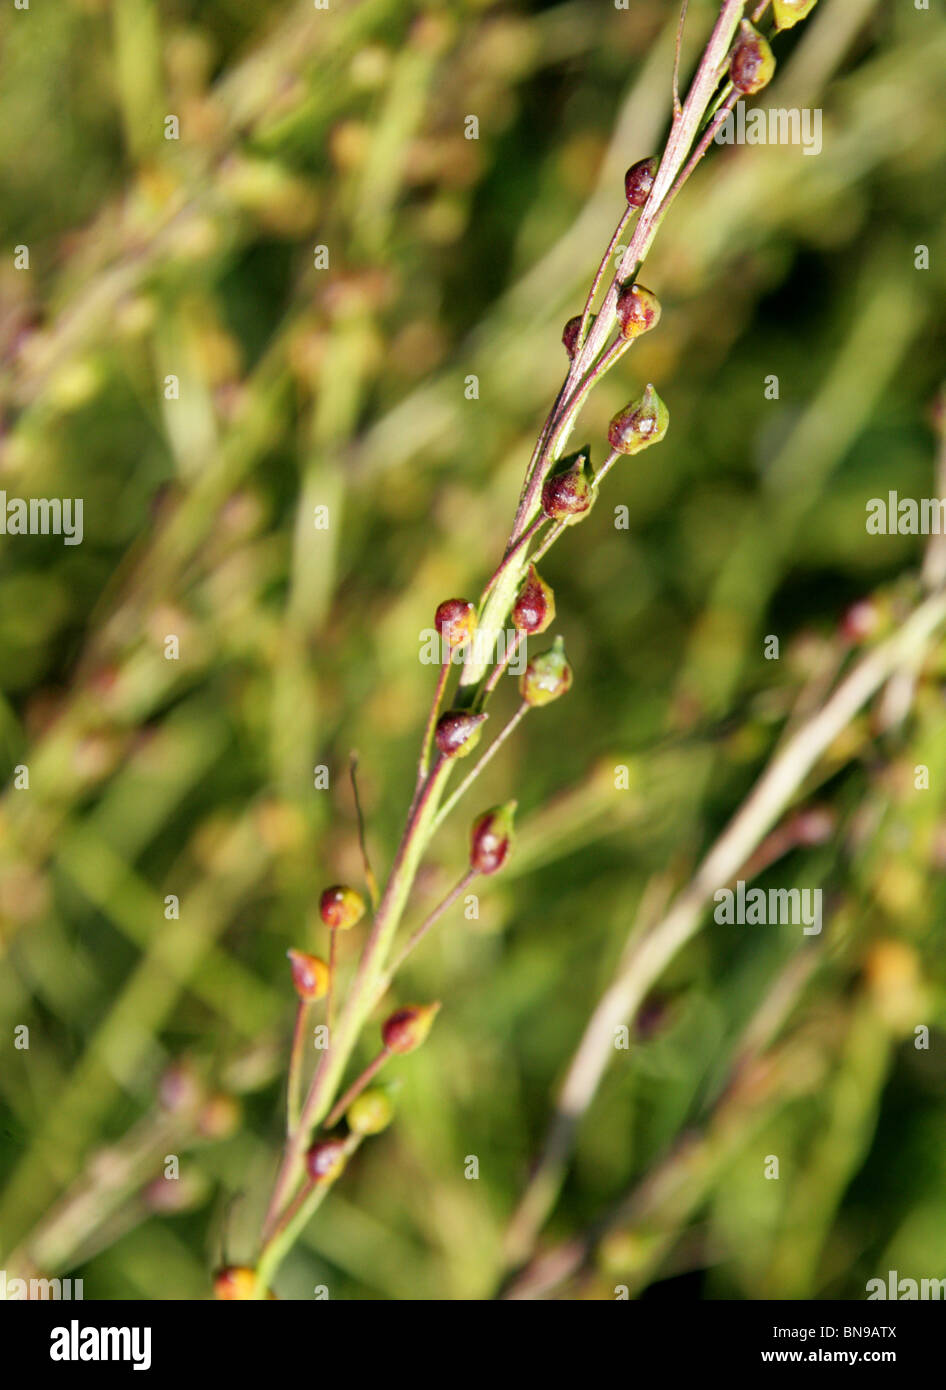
(362,993)
(370,879)
(429,921)
(357,1086)
(606,467)
(295,1066)
(510,555)
(292,1224)
(423,765)
(499,668)
(332,972)
(487,757)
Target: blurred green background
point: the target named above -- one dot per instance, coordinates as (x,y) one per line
(344,387)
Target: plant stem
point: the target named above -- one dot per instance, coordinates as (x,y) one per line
(431,920)
(332,970)
(487,757)
(500,666)
(510,554)
(370,879)
(357,1086)
(294,1220)
(362,993)
(295,1066)
(423,765)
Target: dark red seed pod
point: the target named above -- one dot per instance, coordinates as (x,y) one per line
(752,64)
(341,907)
(534,608)
(455,620)
(571,331)
(569,491)
(638,310)
(491,838)
(326,1159)
(406,1028)
(458,732)
(639,180)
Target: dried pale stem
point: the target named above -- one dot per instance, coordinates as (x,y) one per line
(653,949)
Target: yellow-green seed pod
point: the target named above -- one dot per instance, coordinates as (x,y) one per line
(640,424)
(547,676)
(371,1112)
(341,907)
(788,13)
(407,1028)
(752,64)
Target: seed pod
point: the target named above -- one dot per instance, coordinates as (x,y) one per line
(788,13)
(640,424)
(310,975)
(491,838)
(569,492)
(406,1028)
(534,609)
(371,1112)
(547,676)
(180,1089)
(326,1159)
(455,620)
(571,331)
(341,907)
(639,180)
(458,732)
(751,64)
(638,310)
(235,1283)
(219,1117)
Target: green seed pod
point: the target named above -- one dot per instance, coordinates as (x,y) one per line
(547,676)
(458,732)
(639,180)
(341,907)
(752,63)
(326,1159)
(638,310)
(640,424)
(491,838)
(406,1029)
(569,492)
(371,1112)
(534,609)
(788,13)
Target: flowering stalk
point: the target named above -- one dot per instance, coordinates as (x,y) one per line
(557,490)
